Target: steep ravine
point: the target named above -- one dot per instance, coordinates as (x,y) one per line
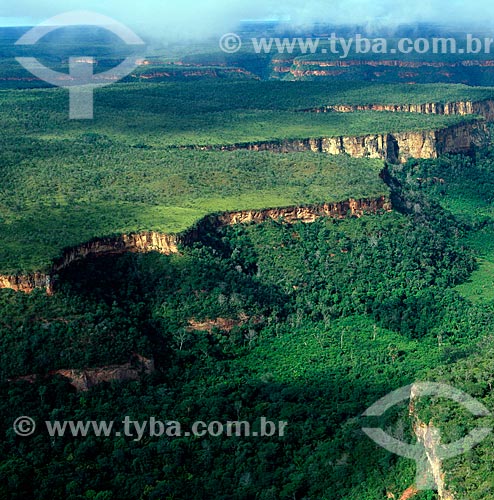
(393,147)
(167,244)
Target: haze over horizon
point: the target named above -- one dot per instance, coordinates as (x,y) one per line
(196,19)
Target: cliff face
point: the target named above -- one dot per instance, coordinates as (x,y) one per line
(169,244)
(27,283)
(386,70)
(430,474)
(83,380)
(394,63)
(429,437)
(140,243)
(462,108)
(394,147)
(350,208)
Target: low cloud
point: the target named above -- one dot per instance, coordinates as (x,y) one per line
(170,19)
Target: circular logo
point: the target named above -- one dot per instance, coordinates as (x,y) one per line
(24,426)
(82,81)
(230,43)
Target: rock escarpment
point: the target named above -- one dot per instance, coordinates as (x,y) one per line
(27,282)
(392,147)
(142,242)
(430,473)
(149,241)
(83,380)
(460,108)
(428,436)
(394,70)
(350,208)
(168,244)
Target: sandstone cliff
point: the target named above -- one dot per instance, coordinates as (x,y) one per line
(392,147)
(482,108)
(27,283)
(150,241)
(429,438)
(395,63)
(167,244)
(350,208)
(429,473)
(83,380)
(394,69)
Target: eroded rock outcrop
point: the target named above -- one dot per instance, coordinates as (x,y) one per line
(27,282)
(428,436)
(350,208)
(395,63)
(167,244)
(149,241)
(391,69)
(83,380)
(483,108)
(392,147)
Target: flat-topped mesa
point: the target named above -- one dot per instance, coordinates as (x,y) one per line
(394,63)
(168,244)
(393,147)
(194,73)
(483,108)
(144,242)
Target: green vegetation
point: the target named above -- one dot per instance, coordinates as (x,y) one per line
(328,317)
(68,182)
(167,118)
(321,319)
(468,475)
(480,286)
(291,96)
(74,191)
(465,186)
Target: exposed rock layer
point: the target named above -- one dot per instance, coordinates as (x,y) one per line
(83,380)
(393,147)
(386,70)
(429,438)
(461,108)
(166,244)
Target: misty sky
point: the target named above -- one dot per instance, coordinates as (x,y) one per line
(171,18)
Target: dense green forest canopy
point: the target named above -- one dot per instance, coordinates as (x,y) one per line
(65,182)
(74,191)
(200,115)
(327,318)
